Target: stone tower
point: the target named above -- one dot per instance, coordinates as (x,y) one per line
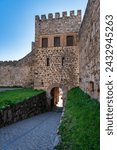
(56,54)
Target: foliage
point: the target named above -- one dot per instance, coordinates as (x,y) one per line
(80,128)
(14,96)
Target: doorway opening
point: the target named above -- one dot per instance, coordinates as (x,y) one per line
(56,101)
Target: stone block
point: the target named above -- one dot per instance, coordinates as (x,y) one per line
(43,17)
(72,13)
(50,16)
(57,15)
(64,14)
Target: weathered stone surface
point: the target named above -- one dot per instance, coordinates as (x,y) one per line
(17,73)
(66,75)
(28,108)
(89,49)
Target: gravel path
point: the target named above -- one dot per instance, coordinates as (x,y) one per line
(36,133)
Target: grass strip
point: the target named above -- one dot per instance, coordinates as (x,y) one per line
(80,127)
(14,96)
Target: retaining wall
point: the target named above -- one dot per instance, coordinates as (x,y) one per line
(22,110)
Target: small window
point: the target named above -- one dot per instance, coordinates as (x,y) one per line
(44,42)
(42,83)
(80,79)
(56,41)
(70,40)
(91,86)
(48,62)
(63,60)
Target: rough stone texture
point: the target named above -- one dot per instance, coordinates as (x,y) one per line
(17,73)
(66,75)
(90,50)
(28,108)
(56,73)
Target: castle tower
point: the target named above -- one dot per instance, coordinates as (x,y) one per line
(56,50)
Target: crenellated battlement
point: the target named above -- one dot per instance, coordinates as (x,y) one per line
(58,15)
(8,63)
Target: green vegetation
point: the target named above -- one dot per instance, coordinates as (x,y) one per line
(17,95)
(80,128)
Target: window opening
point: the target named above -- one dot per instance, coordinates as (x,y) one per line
(70,40)
(44,42)
(56,41)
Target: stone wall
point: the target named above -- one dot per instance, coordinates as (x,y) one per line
(89,46)
(63,68)
(56,26)
(17,73)
(33,106)
(65,74)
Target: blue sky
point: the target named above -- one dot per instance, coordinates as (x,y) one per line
(17,23)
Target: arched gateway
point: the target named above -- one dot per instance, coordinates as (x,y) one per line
(56,94)
(56,100)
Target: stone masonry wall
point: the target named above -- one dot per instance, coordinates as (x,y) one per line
(66,74)
(30,107)
(63,66)
(89,46)
(57,26)
(17,73)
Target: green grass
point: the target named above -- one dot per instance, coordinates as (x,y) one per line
(15,96)
(80,128)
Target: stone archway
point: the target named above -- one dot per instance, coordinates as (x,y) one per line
(56,94)
(56,97)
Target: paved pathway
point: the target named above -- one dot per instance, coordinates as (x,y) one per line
(36,133)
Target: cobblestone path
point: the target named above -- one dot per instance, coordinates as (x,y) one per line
(36,133)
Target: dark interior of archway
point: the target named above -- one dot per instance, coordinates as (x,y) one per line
(55,97)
